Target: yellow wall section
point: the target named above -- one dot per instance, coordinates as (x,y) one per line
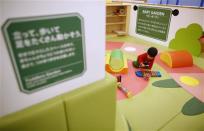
(107,58)
(108,1)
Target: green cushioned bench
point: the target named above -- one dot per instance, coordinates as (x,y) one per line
(46,116)
(89,108)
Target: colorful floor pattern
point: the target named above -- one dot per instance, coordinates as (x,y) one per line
(159,107)
(130,81)
(135,84)
(197,90)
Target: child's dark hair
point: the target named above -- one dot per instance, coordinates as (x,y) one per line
(152,51)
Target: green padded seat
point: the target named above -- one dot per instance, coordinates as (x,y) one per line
(92,107)
(45,116)
(89,108)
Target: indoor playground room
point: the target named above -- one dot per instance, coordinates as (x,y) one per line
(96,65)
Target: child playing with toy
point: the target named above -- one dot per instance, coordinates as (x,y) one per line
(146,60)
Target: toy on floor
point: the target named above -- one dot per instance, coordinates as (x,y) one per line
(116,62)
(123,89)
(146,74)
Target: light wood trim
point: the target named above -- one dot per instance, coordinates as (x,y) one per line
(116,15)
(128,19)
(115,23)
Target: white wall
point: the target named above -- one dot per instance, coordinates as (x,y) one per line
(203,19)
(1,41)
(93,12)
(186,16)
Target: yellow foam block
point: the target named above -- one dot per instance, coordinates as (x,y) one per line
(107,58)
(166,58)
(174,59)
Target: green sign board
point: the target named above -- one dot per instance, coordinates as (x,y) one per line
(153,22)
(45,50)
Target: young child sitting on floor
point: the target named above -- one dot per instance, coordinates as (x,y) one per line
(146,60)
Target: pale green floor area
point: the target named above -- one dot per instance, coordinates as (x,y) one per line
(121,123)
(156,108)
